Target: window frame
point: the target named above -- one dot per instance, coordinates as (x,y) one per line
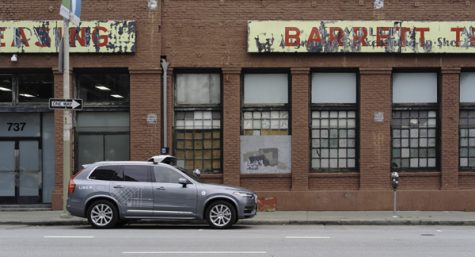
(266,107)
(347,107)
(102,105)
(197,108)
(424,106)
(464,107)
(15,97)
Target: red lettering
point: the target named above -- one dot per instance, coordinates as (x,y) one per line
(20,38)
(96,37)
(79,36)
(457,31)
(314,37)
(422,39)
(338,35)
(359,36)
(294,38)
(380,36)
(472,38)
(2,31)
(44,40)
(403,32)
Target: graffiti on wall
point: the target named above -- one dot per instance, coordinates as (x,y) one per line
(265,154)
(88,37)
(361,37)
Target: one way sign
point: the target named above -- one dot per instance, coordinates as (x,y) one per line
(58,103)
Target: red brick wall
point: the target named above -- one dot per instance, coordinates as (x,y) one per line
(213,34)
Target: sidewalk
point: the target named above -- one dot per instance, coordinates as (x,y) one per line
(50,218)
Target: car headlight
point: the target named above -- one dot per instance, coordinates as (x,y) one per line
(242,194)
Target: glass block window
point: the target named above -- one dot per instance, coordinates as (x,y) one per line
(197,132)
(467,139)
(467,121)
(266,123)
(333,139)
(265,109)
(414,120)
(333,123)
(414,139)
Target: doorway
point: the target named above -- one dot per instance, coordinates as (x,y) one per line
(20,171)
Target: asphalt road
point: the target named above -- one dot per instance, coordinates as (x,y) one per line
(242,241)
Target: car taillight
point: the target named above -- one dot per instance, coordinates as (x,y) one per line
(71,186)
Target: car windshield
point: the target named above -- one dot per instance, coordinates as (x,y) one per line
(189,173)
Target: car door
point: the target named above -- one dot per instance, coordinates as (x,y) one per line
(134,193)
(172,199)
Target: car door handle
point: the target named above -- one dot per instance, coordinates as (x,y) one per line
(118,186)
(161,188)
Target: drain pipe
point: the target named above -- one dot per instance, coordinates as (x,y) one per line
(164,64)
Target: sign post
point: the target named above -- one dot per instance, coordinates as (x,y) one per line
(70,10)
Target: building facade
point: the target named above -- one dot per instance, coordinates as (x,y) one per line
(309,103)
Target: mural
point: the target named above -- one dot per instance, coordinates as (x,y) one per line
(265,154)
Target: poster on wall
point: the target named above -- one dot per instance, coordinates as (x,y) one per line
(265,154)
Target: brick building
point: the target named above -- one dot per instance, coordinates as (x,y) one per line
(305,102)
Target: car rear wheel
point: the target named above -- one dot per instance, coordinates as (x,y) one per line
(103,214)
(221,214)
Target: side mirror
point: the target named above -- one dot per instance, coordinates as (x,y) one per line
(197,172)
(183,181)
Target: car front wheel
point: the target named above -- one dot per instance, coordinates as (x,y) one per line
(103,214)
(221,214)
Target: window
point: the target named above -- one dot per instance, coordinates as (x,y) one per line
(166,175)
(265,110)
(198,121)
(467,121)
(109,173)
(104,87)
(102,136)
(136,173)
(26,87)
(414,120)
(333,121)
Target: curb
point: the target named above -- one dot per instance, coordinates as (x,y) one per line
(270,222)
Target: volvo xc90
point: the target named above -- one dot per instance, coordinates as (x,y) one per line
(112,192)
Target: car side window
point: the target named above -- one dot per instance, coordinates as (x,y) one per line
(109,173)
(136,173)
(166,175)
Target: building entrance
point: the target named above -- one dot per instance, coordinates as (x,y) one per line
(20,171)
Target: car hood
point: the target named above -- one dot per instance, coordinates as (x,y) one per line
(226,187)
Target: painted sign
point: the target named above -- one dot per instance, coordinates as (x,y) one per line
(88,37)
(265,154)
(361,37)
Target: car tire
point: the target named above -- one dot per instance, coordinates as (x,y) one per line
(103,214)
(221,214)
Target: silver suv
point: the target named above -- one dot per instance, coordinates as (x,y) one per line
(110,193)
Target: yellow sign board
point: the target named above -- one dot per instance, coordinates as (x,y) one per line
(88,37)
(361,37)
